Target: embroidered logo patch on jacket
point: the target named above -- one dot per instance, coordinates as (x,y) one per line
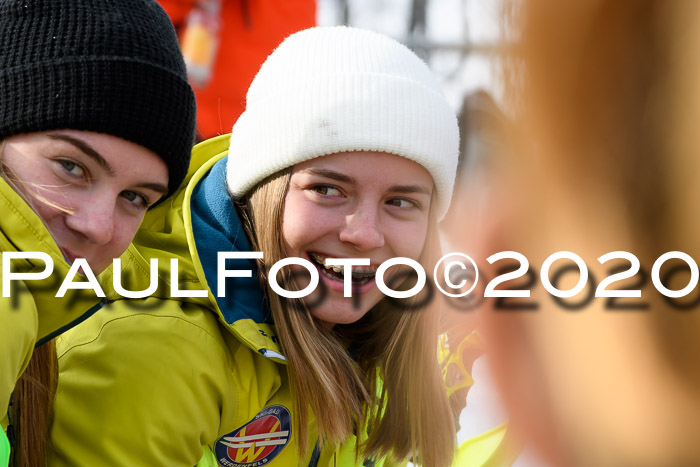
(257,442)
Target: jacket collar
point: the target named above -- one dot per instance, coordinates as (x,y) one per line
(217,228)
(212,225)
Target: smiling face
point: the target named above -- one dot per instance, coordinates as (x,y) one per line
(355,205)
(90,189)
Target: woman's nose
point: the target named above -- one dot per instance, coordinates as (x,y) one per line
(362,229)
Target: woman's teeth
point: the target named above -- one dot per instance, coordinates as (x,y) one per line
(360,274)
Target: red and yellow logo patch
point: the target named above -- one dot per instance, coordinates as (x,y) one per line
(257,442)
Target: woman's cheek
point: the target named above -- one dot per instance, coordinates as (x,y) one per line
(305,221)
(125,229)
(409,241)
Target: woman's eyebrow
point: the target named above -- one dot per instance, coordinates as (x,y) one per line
(86,149)
(331,174)
(157,187)
(408,189)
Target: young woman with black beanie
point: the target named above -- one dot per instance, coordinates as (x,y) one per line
(96,126)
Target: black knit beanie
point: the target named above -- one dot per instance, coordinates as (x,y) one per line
(109,66)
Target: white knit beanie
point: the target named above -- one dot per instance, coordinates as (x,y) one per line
(338,89)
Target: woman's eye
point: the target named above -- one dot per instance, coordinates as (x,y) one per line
(137,199)
(402,203)
(326,190)
(73,168)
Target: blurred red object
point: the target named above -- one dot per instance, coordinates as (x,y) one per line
(246,32)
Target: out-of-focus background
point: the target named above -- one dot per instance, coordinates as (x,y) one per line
(461,40)
(226,41)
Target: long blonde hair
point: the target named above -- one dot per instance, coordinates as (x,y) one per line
(32,399)
(391,388)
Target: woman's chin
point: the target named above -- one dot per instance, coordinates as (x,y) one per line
(340,310)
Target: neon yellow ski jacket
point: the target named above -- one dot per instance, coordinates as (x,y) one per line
(30,313)
(175,381)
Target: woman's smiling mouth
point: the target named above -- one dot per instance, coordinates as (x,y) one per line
(361,275)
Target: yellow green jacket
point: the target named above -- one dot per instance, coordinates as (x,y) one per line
(177,381)
(32,314)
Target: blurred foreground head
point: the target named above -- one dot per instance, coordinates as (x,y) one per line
(606,159)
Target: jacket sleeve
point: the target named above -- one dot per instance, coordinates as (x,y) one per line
(18,333)
(138,388)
